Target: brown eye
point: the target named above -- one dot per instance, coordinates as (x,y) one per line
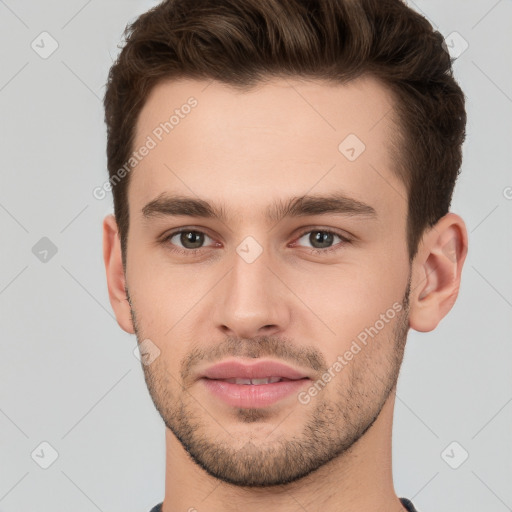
(322,240)
(186,241)
(191,239)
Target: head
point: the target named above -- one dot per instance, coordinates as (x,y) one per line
(293,119)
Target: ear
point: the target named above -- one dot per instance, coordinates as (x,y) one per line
(437,270)
(115,274)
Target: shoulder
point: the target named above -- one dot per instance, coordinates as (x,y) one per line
(406,503)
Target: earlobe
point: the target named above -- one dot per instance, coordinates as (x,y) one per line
(115,274)
(437,272)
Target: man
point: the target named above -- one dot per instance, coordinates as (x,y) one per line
(282,172)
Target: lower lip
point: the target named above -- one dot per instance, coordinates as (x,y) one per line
(253,395)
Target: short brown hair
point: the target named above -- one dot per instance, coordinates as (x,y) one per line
(243,42)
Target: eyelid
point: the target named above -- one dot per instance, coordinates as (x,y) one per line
(165,239)
(342,235)
(345,239)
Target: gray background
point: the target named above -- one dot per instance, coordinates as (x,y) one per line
(68,374)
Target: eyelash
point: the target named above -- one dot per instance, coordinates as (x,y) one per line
(193,252)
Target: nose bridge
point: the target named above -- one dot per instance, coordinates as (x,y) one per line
(252,295)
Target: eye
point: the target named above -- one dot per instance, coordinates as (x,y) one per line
(191,240)
(322,240)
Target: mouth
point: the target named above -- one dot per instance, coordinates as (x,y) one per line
(252,372)
(241,382)
(253,393)
(256,382)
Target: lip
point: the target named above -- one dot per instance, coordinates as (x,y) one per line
(253,395)
(232,369)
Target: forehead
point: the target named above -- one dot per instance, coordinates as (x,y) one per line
(285,137)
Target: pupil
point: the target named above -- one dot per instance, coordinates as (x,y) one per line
(191,237)
(321,237)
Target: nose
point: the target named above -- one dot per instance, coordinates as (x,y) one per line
(251,300)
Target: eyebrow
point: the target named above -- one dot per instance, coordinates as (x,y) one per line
(166,205)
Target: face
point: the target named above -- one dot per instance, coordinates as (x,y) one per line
(319,284)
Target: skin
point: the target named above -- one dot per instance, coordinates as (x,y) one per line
(247,150)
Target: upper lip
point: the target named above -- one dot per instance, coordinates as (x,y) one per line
(232,369)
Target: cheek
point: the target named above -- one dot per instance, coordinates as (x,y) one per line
(342,291)
(166,297)
(352,296)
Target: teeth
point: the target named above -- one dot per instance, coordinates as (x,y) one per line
(268,380)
